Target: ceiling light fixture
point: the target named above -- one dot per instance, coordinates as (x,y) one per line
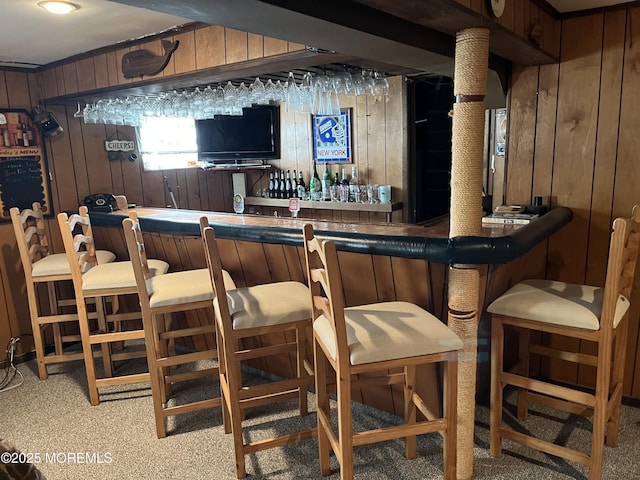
(59,7)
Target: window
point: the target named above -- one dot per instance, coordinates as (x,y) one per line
(167,143)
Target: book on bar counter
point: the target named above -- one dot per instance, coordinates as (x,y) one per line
(508,218)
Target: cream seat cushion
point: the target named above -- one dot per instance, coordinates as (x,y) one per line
(387,331)
(57,263)
(269,304)
(117,275)
(558,303)
(187,286)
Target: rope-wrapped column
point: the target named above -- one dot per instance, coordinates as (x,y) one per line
(470,88)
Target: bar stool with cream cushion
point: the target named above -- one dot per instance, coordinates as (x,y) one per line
(581,312)
(273,308)
(159,298)
(373,339)
(101,281)
(41,266)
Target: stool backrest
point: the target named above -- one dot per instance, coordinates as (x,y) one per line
(77,238)
(138,255)
(220,303)
(326,288)
(621,266)
(31,236)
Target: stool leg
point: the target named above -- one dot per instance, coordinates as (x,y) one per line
(495,421)
(450,406)
(322,399)
(409,409)
(524,340)
(37,330)
(617,378)
(104,328)
(345,427)
(301,349)
(53,309)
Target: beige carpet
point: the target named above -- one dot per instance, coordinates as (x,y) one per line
(53,420)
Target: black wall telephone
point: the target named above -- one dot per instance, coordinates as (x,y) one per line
(100,202)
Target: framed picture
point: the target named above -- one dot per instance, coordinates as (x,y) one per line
(24,177)
(332,137)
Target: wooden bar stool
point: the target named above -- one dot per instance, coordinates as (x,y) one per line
(274,308)
(581,312)
(42,267)
(160,297)
(99,281)
(374,339)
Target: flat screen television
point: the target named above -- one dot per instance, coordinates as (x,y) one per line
(254,135)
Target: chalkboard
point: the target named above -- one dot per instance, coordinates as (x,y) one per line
(24,178)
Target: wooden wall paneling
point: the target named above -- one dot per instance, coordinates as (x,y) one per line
(464,3)
(236,45)
(210,47)
(476,5)
(101,72)
(113,72)
(522,118)
(438,278)
(14,315)
(274,46)
(184,58)
(60,80)
(61,168)
(153,189)
(34,89)
(70,78)
(255,46)
(202,188)
(117,176)
(296,263)
(626,180)
(295,47)
(132,174)
(18,90)
(216,191)
(73,165)
(507,20)
(4,95)
(545,132)
(191,185)
(395,144)
(86,74)
(50,83)
(98,164)
(519,26)
(575,139)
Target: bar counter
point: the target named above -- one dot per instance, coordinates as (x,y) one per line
(497,245)
(378,262)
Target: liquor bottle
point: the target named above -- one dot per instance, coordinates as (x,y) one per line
(7,137)
(19,139)
(25,135)
(287,185)
(294,185)
(353,185)
(1,135)
(326,183)
(276,186)
(283,187)
(302,187)
(29,134)
(314,184)
(271,185)
(336,181)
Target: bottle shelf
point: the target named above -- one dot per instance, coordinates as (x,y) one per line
(324,205)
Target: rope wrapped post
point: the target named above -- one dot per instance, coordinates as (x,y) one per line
(470,88)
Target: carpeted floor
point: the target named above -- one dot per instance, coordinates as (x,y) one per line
(53,421)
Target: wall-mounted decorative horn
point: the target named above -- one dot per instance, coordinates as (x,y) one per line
(143,62)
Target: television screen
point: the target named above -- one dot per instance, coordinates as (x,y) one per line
(254,135)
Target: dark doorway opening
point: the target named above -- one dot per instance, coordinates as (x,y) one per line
(430,100)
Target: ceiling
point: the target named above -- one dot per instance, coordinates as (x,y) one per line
(31,37)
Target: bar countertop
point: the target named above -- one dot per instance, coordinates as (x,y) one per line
(498,244)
